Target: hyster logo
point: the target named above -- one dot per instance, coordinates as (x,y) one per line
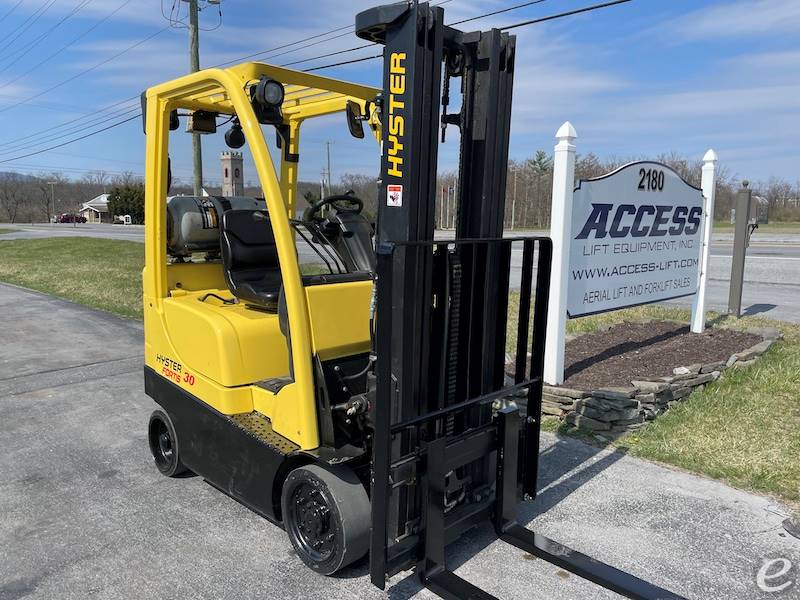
(397,87)
(648,221)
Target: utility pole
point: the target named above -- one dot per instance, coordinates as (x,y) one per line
(53,196)
(514,200)
(328,148)
(194,65)
(453,205)
(446,193)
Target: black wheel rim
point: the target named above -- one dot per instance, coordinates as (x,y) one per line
(311,522)
(161,445)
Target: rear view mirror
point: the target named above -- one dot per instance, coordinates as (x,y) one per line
(355,120)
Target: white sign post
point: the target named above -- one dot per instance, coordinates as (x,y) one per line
(708,184)
(560,225)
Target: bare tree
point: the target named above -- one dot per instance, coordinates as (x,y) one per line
(365,188)
(11,195)
(127,178)
(44,198)
(95,182)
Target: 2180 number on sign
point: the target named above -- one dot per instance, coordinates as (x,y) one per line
(651,180)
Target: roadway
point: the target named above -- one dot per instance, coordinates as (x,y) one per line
(131,233)
(772,273)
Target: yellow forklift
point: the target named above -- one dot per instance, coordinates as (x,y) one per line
(364,408)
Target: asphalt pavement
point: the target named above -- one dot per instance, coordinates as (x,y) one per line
(86,514)
(32,231)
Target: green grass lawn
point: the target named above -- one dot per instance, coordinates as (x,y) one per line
(104,274)
(743,429)
(774,227)
(7,230)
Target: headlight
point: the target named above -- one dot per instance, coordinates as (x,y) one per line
(270,92)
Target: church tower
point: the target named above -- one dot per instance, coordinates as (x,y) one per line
(232,173)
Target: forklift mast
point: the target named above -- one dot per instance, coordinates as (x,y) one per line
(450,450)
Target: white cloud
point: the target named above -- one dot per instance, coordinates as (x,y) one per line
(137,11)
(777,60)
(555,78)
(737,19)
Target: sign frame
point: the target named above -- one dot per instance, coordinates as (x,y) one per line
(646,184)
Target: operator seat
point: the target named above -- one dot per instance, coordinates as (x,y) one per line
(250,257)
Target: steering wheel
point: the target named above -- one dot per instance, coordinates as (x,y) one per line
(343,203)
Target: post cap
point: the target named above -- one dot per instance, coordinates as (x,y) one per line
(566,132)
(710,156)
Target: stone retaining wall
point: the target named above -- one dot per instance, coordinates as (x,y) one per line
(617,410)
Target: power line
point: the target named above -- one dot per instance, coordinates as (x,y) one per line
(53,104)
(75,129)
(136,116)
(353,49)
(349,29)
(29,168)
(564,14)
(497,12)
(84,72)
(75,120)
(338,29)
(119,54)
(346,62)
(517,25)
(83,137)
(11,10)
(43,150)
(68,44)
(137,163)
(297,62)
(309,45)
(313,37)
(176,22)
(24,50)
(115,56)
(30,21)
(483,16)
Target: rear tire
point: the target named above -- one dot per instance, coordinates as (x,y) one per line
(164,444)
(326,513)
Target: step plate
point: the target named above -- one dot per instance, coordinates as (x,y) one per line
(260,427)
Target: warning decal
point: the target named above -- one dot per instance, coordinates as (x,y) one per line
(394,195)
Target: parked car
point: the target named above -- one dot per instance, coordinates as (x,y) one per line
(70,218)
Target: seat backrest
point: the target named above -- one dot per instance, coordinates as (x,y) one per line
(247,241)
(250,256)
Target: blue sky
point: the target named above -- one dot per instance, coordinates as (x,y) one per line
(642,78)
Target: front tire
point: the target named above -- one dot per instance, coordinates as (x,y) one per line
(164,444)
(326,513)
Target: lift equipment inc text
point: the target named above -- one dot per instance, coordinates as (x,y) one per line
(636,238)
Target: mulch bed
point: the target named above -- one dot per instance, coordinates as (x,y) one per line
(632,350)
